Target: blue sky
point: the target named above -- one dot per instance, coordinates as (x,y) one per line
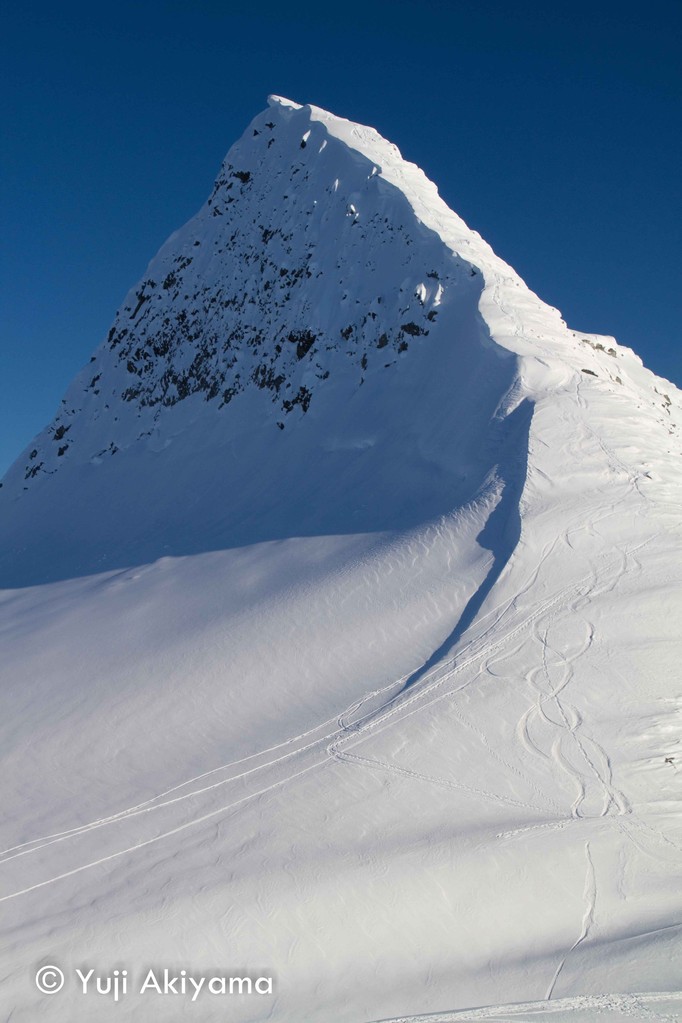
(553,129)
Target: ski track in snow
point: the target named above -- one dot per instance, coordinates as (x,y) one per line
(552,738)
(395,710)
(376,721)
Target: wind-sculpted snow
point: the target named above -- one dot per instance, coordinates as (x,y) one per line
(340,630)
(306,300)
(304,264)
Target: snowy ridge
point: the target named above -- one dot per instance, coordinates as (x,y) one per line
(242,298)
(325,279)
(340,639)
(264,289)
(305,291)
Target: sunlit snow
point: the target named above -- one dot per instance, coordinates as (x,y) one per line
(340,629)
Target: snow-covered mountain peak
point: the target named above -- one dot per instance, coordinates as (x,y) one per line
(323,289)
(283,103)
(356,656)
(301,266)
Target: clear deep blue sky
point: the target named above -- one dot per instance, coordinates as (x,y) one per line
(552,128)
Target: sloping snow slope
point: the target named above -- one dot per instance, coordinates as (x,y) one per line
(340,629)
(580,1009)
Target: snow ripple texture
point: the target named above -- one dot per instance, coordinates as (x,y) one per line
(340,626)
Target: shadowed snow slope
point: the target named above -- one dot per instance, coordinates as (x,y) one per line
(339,626)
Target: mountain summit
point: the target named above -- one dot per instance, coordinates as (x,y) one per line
(339,612)
(302,324)
(324,291)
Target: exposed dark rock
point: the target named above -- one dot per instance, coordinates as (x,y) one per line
(304,340)
(413,329)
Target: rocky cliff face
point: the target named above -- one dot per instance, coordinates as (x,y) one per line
(307,331)
(304,266)
(359,658)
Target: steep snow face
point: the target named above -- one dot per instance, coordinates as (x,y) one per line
(304,266)
(356,658)
(306,323)
(319,263)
